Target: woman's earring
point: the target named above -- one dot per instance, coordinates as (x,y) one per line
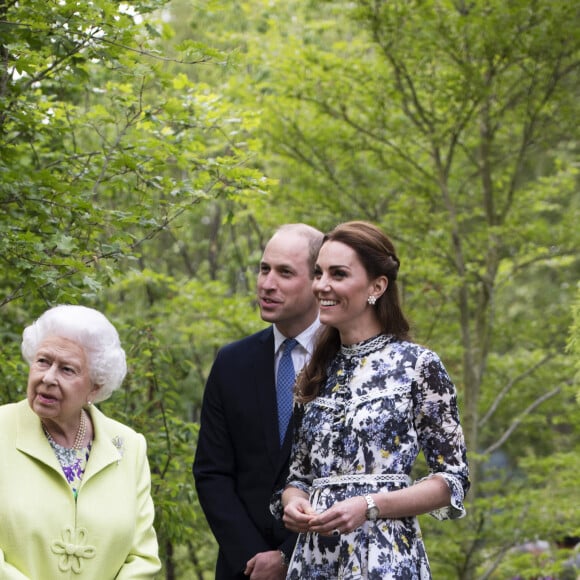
(372,300)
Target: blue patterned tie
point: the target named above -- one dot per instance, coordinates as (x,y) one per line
(284,383)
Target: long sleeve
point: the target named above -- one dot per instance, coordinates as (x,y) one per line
(142,560)
(436,419)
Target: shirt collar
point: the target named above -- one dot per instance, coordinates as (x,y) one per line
(305,338)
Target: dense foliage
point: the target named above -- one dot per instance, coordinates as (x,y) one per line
(148,149)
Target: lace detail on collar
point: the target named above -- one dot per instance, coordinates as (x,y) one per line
(367,346)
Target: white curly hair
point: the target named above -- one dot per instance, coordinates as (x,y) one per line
(93,332)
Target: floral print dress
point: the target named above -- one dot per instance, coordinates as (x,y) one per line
(384,402)
(73,463)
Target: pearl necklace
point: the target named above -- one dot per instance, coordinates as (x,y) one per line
(80,436)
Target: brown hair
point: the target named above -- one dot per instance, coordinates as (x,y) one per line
(378,257)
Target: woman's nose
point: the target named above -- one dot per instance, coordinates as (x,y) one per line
(320,284)
(50,375)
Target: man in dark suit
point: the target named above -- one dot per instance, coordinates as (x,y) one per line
(242,452)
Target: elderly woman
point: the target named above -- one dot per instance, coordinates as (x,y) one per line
(74,485)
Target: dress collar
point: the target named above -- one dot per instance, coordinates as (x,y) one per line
(367,346)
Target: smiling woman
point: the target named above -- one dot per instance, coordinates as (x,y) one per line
(370,401)
(57,441)
(345,290)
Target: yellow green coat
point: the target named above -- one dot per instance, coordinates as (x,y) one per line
(106,534)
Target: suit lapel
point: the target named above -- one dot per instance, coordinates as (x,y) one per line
(284,453)
(265,389)
(268,405)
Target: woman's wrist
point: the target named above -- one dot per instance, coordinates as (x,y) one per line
(290,494)
(372,511)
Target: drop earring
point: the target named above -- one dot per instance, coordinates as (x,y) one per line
(372,300)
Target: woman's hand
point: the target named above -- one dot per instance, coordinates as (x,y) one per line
(297,510)
(343,517)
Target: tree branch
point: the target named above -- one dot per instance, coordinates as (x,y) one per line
(518,420)
(509,386)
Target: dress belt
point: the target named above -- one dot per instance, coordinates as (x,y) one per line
(362,478)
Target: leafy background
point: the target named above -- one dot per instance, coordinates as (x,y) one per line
(148,149)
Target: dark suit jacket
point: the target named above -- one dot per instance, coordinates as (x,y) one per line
(239,463)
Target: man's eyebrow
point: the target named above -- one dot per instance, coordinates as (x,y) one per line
(285,267)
